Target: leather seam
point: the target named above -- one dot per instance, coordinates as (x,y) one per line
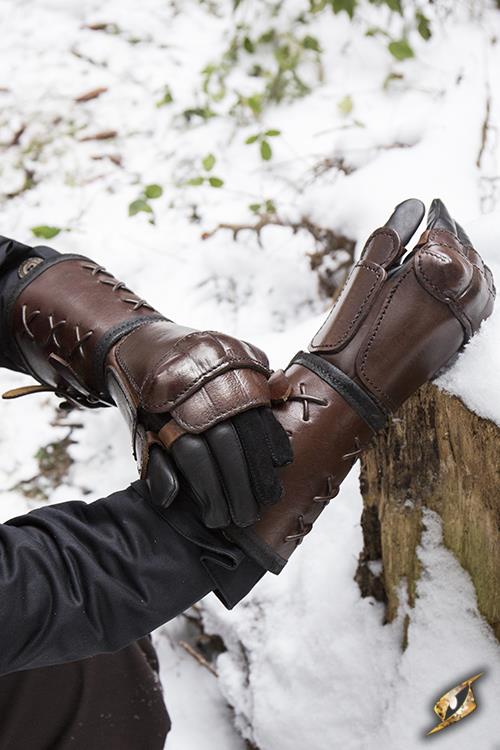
(372,338)
(218,418)
(378,274)
(258,367)
(122,362)
(435,243)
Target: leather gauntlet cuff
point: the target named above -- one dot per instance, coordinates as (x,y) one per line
(321,400)
(182,380)
(398,320)
(65,315)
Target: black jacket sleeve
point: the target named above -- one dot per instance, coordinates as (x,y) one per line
(80,579)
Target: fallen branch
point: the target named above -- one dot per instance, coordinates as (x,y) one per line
(328,245)
(198,657)
(91,94)
(115,158)
(104,135)
(484,131)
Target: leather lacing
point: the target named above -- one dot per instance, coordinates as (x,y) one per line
(332,489)
(135,301)
(27,318)
(307,399)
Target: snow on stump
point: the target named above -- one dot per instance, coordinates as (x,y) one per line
(435,454)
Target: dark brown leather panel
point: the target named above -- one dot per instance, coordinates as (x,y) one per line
(352,306)
(389,337)
(411,338)
(201,378)
(223,397)
(65,311)
(309,416)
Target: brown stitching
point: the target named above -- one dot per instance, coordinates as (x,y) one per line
(374,334)
(442,296)
(149,382)
(436,243)
(383,233)
(190,427)
(378,274)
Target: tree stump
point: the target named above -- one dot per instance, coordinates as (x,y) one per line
(435,454)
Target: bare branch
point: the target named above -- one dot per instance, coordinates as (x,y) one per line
(198,657)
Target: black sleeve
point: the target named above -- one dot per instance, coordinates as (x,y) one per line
(13,255)
(77,579)
(80,579)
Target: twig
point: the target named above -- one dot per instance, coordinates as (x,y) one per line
(17,136)
(198,657)
(328,243)
(91,94)
(103,135)
(484,131)
(115,158)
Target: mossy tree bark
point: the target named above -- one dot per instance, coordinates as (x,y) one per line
(435,454)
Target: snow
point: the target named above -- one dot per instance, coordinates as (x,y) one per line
(309,663)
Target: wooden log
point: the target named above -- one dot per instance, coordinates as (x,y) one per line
(435,454)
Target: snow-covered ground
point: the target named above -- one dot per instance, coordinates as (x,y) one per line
(309,663)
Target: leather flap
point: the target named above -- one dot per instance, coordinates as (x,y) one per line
(351,307)
(229,394)
(195,361)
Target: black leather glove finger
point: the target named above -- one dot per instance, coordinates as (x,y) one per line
(439,218)
(231,468)
(161,477)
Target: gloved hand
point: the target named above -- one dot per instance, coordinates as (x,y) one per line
(400,318)
(202,396)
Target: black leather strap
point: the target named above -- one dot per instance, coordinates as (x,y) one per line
(350,391)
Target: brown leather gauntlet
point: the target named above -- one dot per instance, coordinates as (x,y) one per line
(87,337)
(397,322)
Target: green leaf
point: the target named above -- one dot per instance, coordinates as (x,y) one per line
(401,49)
(390,78)
(248,45)
(310,42)
(375,31)
(139,205)
(196,181)
(265,150)
(153,191)
(346,105)
(216,182)
(272,133)
(348,5)
(45,232)
(395,5)
(167,97)
(254,207)
(267,37)
(270,207)
(255,103)
(252,139)
(208,162)
(423,25)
